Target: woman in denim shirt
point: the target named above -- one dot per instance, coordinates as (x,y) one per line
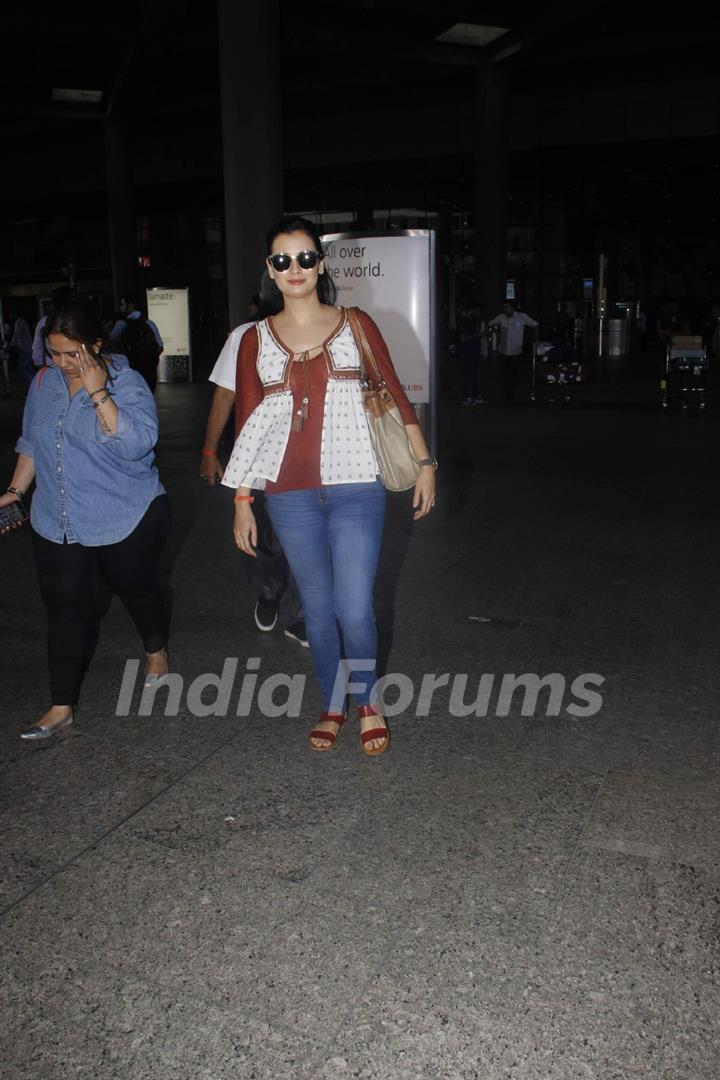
(89,429)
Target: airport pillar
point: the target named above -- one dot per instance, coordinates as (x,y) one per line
(250,89)
(121,209)
(491,186)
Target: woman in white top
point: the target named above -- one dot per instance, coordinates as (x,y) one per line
(304,440)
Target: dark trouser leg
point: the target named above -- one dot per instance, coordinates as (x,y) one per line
(290,609)
(510,372)
(470,371)
(26,366)
(66,573)
(149,374)
(130,569)
(269,575)
(397,530)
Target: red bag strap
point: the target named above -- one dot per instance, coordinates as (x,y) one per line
(366,353)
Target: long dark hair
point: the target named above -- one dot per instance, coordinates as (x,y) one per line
(270,295)
(79,322)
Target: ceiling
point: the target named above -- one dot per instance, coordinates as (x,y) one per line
(156,63)
(168,47)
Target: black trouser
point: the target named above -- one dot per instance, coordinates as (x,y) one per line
(67,585)
(268,573)
(149,371)
(470,356)
(510,373)
(397,530)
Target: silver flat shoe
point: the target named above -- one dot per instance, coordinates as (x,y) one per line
(46,731)
(155,680)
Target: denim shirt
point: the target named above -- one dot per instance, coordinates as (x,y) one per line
(91,488)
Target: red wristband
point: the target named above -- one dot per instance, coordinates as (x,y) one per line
(244,498)
(208,453)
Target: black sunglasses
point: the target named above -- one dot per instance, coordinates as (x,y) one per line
(306,260)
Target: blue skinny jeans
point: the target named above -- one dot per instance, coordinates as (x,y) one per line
(331,538)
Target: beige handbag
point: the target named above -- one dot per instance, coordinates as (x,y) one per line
(398,465)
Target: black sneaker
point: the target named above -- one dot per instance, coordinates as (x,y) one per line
(266,614)
(296,631)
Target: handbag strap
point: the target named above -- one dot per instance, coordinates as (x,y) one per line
(366,353)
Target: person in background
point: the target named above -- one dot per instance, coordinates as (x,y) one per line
(269,575)
(139,338)
(470,331)
(511,324)
(89,429)
(21,346)
(673,320)
(63,294)
(563,325)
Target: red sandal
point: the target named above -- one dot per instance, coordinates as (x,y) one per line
(328,737)
(373,733)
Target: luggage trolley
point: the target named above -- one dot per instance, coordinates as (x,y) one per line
(687,369)
(558,370)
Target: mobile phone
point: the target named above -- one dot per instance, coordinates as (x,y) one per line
(12,516)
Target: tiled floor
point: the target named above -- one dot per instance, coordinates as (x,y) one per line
(499,896)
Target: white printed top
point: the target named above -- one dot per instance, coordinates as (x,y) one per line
(346,452)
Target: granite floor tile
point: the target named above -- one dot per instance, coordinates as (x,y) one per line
(208,809)
(609,642)
(655,817)
(705,843)
(138,911)
(691,1044)
(495,855)
(515,891)
(184,737)
(628,907)
(301,972)
(462,960)
(134,1029)
(65,796)
(502,796)
(252,943)
(596,743)
(442,739)
(289,854)
(615,1031)
(692,635)
(682,750)
(402,1031)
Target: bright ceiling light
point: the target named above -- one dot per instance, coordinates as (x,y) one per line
(472,34)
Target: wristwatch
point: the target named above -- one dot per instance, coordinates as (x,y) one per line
(429,461)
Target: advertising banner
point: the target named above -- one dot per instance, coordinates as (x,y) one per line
(169,309)
(392,277)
